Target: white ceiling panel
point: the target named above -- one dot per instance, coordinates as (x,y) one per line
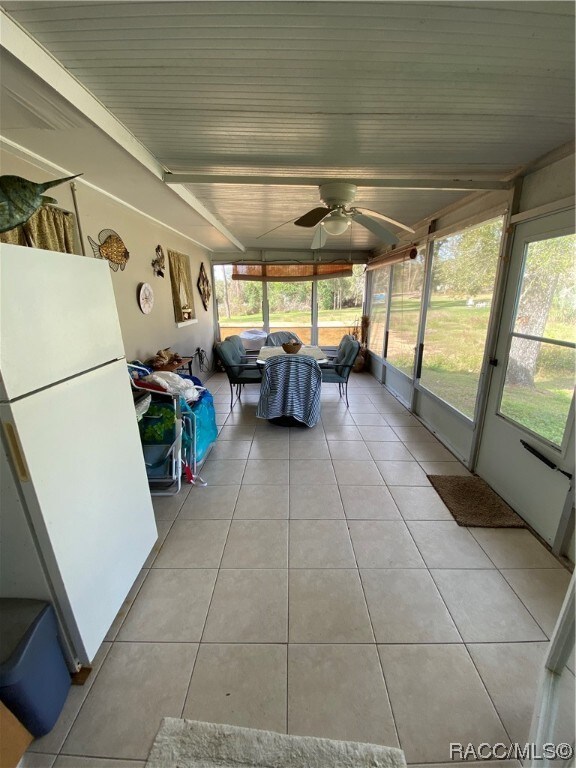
(40,121)
(330,89)
(251,210)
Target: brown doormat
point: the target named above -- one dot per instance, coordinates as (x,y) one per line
(473,503)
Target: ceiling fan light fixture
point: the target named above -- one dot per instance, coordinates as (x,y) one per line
(337,223)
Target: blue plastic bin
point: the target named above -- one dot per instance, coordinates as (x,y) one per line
(34,678)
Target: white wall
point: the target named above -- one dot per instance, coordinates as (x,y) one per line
(142,334)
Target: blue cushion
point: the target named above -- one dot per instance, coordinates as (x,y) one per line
(250,375)
(329,376)
(347,356)
(229,356)
(235,369)
(339,370)
(237,341)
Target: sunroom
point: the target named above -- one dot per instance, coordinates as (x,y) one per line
(398,173)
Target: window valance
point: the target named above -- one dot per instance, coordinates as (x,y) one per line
(288,273)
(394,257)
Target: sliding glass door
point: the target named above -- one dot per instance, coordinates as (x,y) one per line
(464,267)
(429,322)
(530,410)
(239,302)
(340,303)
(318,311)
(405,302)
(378,309)
(290,308)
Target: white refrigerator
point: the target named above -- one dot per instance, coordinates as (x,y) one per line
(76,517)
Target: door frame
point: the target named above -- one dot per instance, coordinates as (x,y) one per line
(543,228)
(512,220)
(458,431)
(509,332)
(546,704)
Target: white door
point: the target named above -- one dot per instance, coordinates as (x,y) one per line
(83,479)
(529,418)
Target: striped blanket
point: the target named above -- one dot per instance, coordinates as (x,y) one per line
(291,387)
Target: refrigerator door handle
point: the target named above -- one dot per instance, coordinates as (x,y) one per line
(15,450)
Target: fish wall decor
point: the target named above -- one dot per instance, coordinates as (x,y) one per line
(111,247)
(20,198)
(159,263)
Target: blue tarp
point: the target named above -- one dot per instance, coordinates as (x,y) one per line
(206,429)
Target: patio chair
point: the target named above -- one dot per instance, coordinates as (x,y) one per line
(338,370)
(344,340)
(280,337)
(247,357)
(238,373)
(290,392)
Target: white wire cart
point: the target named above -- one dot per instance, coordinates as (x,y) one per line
(168,439)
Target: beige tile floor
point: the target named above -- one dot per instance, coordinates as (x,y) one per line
(319,586)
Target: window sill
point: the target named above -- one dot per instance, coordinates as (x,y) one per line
(187,322)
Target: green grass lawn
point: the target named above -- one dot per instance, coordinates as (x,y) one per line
(456,387)
(542,410)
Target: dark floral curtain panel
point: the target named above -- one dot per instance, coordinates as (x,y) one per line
(48,228)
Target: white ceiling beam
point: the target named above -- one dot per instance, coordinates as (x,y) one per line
(445,184)
(193,202)
(46,165)
(32,55)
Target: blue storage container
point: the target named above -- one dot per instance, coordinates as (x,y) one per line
(34,678)
(206,429)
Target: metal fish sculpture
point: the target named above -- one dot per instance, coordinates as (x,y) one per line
(112,248)
(20,198)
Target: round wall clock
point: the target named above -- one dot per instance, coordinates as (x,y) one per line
(145,298)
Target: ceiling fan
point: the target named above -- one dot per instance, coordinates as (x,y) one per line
(337,215)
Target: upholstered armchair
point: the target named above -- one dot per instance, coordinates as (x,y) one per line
(344,340)
(247,357)
(238,372)
(337,371)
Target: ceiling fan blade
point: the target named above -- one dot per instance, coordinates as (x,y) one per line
(319,239)
(274,228)
(377,229)
(313,217)
(385,218)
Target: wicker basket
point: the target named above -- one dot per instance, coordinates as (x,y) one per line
(291,347)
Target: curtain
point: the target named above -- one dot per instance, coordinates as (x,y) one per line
(49,228)
(181,282)
(288,273)
(393,257)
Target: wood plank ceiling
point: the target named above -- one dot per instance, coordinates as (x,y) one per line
(335,90)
